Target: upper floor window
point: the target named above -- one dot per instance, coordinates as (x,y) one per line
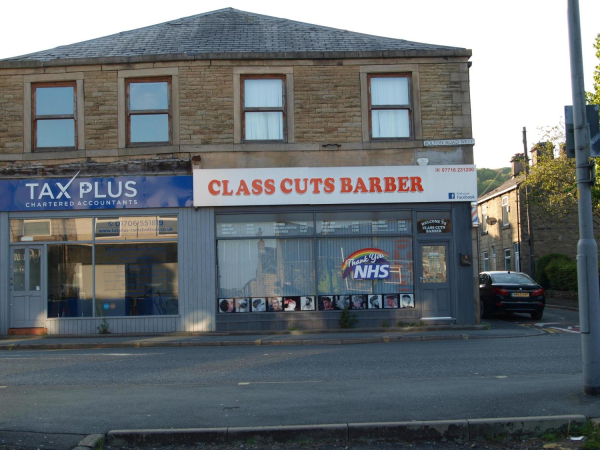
(505,209)
(149,111)
(54,115)
(263,102)
(484,217)
(390,106)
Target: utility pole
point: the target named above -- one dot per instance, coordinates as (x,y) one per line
(587,249)
(528,215)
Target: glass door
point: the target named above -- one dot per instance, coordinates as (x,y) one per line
(27,308)
(434,286)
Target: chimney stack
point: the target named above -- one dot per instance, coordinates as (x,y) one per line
(517,164)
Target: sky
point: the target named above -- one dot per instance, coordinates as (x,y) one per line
(520,75)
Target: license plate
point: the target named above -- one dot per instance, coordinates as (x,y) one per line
(520,294)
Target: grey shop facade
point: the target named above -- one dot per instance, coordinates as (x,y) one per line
(237,249)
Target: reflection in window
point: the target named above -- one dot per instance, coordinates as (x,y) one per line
(54,115)
(70,290)
(138,279)
(266,267)
(333,251)
(434,263)
(51,229)
(149,111)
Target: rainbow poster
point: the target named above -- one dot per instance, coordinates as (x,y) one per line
(367,263)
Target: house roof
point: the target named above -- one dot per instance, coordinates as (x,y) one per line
(231,34)
(508,185)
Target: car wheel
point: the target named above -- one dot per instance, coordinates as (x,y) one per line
(537,315)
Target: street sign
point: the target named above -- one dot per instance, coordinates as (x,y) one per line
(593,120)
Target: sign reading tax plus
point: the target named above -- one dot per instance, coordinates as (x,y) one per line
(367,264)
(55,194)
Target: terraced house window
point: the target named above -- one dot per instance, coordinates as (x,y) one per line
(263,102)
(54,114)
(390,107)
(149,111)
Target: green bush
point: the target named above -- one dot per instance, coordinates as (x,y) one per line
(541,264)
(562,275)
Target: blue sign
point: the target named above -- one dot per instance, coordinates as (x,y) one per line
(56,194)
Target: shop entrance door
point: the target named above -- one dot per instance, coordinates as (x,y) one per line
(27,308)
(434,287)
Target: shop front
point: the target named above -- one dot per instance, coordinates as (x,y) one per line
(296,246)
(81,250)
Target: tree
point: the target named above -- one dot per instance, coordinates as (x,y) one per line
(552,181)
(593,98)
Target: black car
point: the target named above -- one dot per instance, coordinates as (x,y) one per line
(510,292)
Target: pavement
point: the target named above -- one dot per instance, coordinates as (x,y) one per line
(297,337)
(456,430)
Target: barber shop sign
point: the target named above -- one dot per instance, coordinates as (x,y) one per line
(367,264)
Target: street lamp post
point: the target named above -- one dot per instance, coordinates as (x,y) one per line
(587,249)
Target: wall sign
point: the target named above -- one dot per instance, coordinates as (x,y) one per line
(55,194)
(448,142)
(367,264)
(433,226)
(334,185)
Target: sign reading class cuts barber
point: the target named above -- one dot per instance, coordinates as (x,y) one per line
(334,185)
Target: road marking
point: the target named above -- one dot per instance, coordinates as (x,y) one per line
(565,330)
(246,383)
(501,376)
(2,387)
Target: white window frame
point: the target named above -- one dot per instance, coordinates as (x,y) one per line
(486,261)
(493,258)
(507,262)
(28,80)
(484,216)
(505,210)
(517,257)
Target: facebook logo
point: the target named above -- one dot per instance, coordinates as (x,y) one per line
(451,195)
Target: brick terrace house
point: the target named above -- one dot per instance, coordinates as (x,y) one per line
(234,171)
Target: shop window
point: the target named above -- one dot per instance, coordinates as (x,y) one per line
(507,259)
(67,229)
(54,115)
(486,261)
(390,106)
(70,280)
(135,227)
(264,108)
(333,252)
(136,279)
(266,268)
(505,210)
(357,223)
(149,111)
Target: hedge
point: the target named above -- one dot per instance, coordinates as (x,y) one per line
(562,275)
(541,264)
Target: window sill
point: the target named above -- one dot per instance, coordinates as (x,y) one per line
(55,154)
(148,149)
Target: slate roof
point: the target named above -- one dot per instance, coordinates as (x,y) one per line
(508,185)
(230,33)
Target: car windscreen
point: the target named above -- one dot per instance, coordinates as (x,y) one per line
(511,278)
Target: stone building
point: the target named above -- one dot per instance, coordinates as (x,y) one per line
(217,172)
(514,234)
